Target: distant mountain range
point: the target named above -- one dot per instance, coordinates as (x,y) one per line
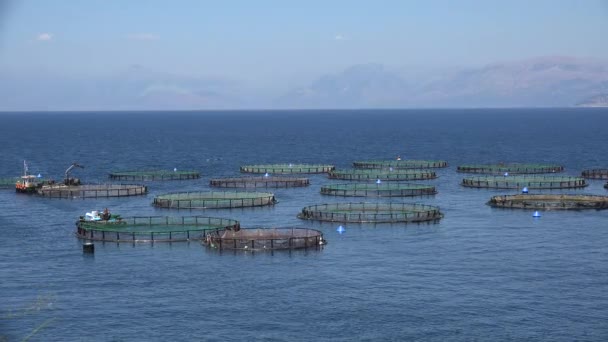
(600,100)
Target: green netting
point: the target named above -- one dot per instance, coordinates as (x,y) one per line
(383,175)
(550,202)
(92,191)
(518,182)
(265,238)
(515,168)
(154,175)
(8,183)
(287,168)
(259,182)
(378,190)
(371,212)
(399,164)
(595,174)
(214,200)
(152,229)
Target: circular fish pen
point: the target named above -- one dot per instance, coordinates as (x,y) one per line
(264,239)
(259,182)
(595,174)
(92,191)
(8,183)
(371,212)
(214,200)
(531,182)
(515,168)
(550,202)
(152,229)
(287,168)
(400,164)
(383,175)
(156,175)
(378,190)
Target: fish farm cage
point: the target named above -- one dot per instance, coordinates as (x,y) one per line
(383,175)
(550,202)
(371,212)
(531,182)
(255,239)
(287,168)
(259,182)
(8,183)
(515,168)
(378,190)
(152,229)
(156,175)
(214,200)
(595,174)
(400,164)
(92,190)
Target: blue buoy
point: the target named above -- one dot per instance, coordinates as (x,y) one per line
(174,169)
(506,174)
(290,165)
(391,169)
(266,174)
(39,176)
(340,229)
(378,181)
(524,190)
(536,214)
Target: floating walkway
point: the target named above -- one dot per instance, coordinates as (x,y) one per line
(378,190)
(519,182)
(152,229)
(214,200)
(595,174)
(259,182)
(287,168)
(550,202)
(156,175)
(513,168)
(92,191)
(400,164)
(264,239)
(383,175)
(371,212)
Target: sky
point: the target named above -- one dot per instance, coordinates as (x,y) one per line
(281,44)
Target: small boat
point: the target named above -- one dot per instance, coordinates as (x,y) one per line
(27,184)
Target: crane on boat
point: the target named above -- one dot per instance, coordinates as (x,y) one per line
(67,180)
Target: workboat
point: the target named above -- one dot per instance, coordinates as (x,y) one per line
(28,184)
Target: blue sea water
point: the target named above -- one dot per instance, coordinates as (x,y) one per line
(479,274)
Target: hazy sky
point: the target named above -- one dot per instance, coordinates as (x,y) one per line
(257,40)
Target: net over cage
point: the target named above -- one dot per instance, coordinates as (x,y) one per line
(287,168)
(265,238)
(400,164)
(92,190)
(595,174)
(154,175)
(518,182)
(550,202)
(513,168)
(382,175)
(214,199)
(259,182)
(371,212)
(390,189)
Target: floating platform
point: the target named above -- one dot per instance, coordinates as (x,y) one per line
(92,191)
(287,168)
(371,212)
(214,200)
(595,174)
(513,168)
(400,164)
(378,190)
(8,183)
(383,175)
(550,202)
(264,239)
(155,175)
(259,182)
(518,182)
(152,229)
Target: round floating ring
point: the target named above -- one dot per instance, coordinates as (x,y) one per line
(214,200)
(8,183)
(371,212)
(531,182)
(385,175)
(595,174)
(399,164)
(550,202)
(378,190)
(265,238)
(152,229)
(156,175)
(92,191)
(287,168)
(513,168)
(259,182)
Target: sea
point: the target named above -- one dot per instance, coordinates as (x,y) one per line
(479,274)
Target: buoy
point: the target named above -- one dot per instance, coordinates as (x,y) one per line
(39,176)
(290,165)
(378,181)
(536,214)
(88,247)
(391,169)
(524,190)
(266,174)
(340,229)
(174,169)
(506,174)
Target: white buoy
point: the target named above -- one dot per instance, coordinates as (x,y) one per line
(290,165)
(174,169)
(39,176)
(506,174)
(340,229)
(524,190)
(378,181)
(536,214)
(391,169)
(266,174)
